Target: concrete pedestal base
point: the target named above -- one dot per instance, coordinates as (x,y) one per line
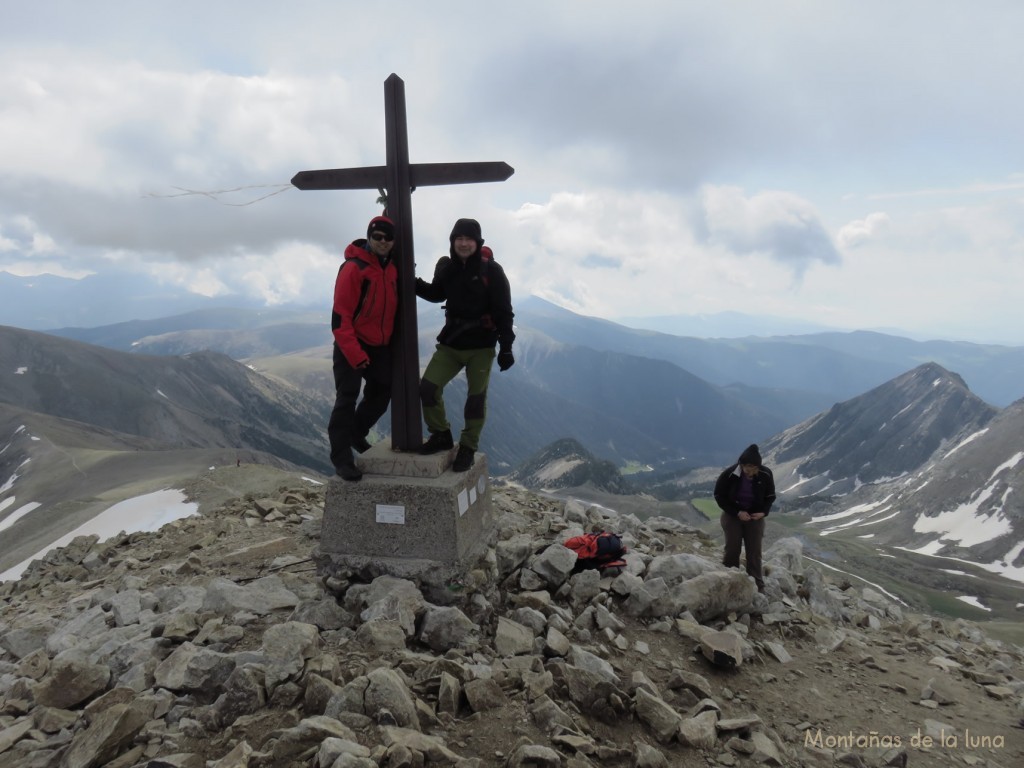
(410,516)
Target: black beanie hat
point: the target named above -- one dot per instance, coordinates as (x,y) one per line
(751,456)
(467,228)
(380,224)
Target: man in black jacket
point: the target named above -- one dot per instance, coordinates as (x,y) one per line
(745,491)
(478,316)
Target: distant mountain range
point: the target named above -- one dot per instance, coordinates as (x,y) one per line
(625,407)
(721,325)
(825,366)
(238,333)
(48,301)
(873,438)
(202,399)
(628,395)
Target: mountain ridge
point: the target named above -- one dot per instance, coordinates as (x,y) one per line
(203,399)
(828,366)
(886,432)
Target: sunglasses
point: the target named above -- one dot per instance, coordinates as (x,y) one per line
(380,236)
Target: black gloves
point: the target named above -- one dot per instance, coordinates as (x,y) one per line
(505,360)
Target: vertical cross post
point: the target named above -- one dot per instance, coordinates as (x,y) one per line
(406,421)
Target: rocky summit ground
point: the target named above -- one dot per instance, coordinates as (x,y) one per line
(217,642)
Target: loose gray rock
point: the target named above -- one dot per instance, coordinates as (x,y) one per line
(513,552)
(554,565)
(381,635)
(70,682)
(484,694)
(387,690)
(723,649)
(193,669)
(534,755)
(657,715)
(446,628)
(512,638)
(261,597)
(700,732)
(106,737)
(286,648)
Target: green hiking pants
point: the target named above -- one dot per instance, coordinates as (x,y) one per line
(442,368)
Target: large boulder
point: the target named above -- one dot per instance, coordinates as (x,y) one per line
(675,569)
(716,593)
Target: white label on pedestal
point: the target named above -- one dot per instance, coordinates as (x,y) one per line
(463,502)
(481,483)
(472,495)
(393,514)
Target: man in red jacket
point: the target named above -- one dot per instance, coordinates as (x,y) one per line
(365,301)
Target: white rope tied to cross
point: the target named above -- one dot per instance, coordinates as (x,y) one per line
(215,194)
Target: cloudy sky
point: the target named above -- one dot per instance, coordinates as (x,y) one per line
(857,163)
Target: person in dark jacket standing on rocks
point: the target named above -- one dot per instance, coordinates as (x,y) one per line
(745,491)
(478,316)
(362,321)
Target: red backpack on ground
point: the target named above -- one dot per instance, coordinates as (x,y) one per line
(602,550)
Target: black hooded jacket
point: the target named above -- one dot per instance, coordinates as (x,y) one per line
(729,482)
(478,309)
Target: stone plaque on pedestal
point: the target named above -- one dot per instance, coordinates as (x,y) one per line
(410,516)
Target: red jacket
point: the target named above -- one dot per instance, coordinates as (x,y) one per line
(365,301)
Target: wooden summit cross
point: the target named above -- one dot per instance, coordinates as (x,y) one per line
(399,178)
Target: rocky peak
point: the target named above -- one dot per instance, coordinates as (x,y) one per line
(566,463)
(887,432)
(215,642)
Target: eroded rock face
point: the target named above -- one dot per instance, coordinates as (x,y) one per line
(166,654)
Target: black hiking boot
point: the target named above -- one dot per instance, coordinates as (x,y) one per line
(463,459)
(361,444)
(437,442)
(349,472)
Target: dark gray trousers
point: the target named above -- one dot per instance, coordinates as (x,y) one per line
(744,535)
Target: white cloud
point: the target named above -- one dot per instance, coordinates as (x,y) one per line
(24,237)
(107,124)
(1014,183)
(718,161)
(858,232)
(604,251)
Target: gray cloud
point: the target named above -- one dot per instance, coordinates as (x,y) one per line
(779,225)
(668,99)
(732,130)
(187,228)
